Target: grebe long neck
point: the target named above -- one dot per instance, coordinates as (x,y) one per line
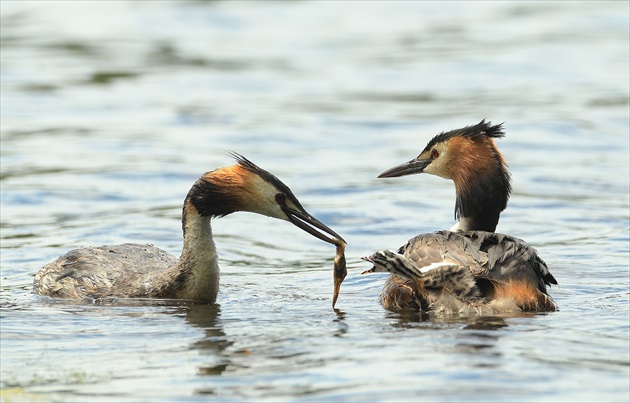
(482,187)
(479,211)
(196,275)
(199,259)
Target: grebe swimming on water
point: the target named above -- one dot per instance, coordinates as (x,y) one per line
(144,271)
(469,267)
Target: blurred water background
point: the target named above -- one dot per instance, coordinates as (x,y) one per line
(111,110)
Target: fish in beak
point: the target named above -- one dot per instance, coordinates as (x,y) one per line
(312,225)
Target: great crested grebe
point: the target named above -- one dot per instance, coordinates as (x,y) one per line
(144,271)
(469,268)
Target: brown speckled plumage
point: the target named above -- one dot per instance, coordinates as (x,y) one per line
(438,272)
(127,270)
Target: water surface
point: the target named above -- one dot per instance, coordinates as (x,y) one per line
(111,110)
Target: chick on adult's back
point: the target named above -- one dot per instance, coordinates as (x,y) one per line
(470,265)
(144,271)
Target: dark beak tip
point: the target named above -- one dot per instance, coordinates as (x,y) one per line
(414,166)
(310,224)
(390,173)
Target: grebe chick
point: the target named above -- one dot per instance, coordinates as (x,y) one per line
(499,268)
(144,271)
(465,272)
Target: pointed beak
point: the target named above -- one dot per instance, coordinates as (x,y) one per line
(415,166)
(371,260)
(312,225)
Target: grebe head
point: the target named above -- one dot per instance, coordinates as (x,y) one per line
(247,187)
(470,158)
(391,262)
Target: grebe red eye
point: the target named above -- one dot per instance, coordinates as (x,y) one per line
(281,198)
(434,153)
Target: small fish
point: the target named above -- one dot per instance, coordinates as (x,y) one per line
(340,271)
